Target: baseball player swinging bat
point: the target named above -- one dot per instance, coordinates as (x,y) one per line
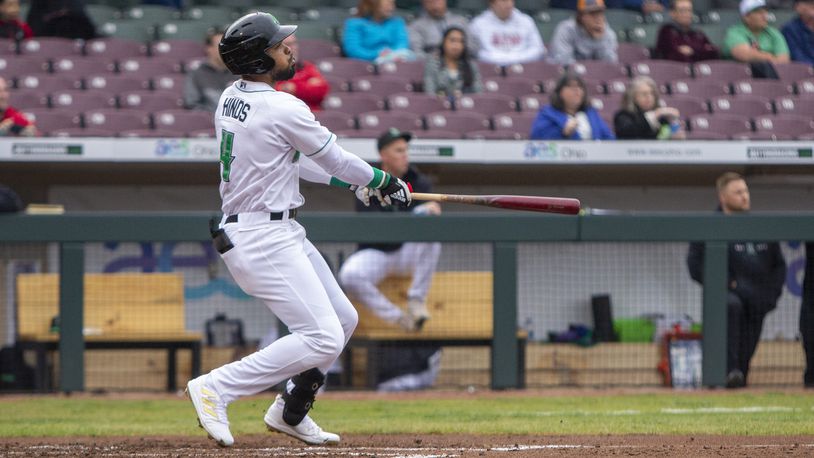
(528,203)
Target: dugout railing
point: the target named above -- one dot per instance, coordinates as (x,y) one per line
(503,230)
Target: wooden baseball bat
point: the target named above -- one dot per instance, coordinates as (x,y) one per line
(528,203)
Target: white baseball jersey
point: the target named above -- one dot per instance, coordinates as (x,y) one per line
(263,134)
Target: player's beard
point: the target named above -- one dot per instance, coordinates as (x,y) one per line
(285,74)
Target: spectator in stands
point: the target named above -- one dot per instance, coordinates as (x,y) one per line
(799,32)
(587,36)
(427,30)
(733,4)
(375,34)
(807,316)
(680,41)
(506,35)
(10,24)
(643,118)
(60,18)
(450,71)
(13,123)
(308,84)
(570,115)
(756,274)
(755,42)
(405,367)
(205,84)
(641,6)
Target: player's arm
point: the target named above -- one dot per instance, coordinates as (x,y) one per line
(309,171)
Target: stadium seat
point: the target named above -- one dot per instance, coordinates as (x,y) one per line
(688,106)
(382,86)
(632,52)
(763,88)
(721,70)
(352,103)
(794,106)
(335,120)
(550,15)
(12,67)
(662,71)
(81,100)
(438,134)
(727,125)
(337,84)
(750,106)
(46,82)
(23,99)
(345,68)
(714,32)
(172,82)
(81,66)
(116,120)
(785,125)
(779,17)
(201,133)
(495,135)
(359,133)
(116,48)
(149,66)
(513,87)
(707,135)
(606,105)
(211,14)
(457,121)
(183,121)
(806,137)
(414,71)
(48,121)
(102,13)
(531,103)
(330,15)
(317,31)
(48,48)
(622,19)
(538,70)
(519,123)
(643,34)
(706,89)
(743,136)
(150,100)
(596,69)
(131,30)
(794,71)
(8,47)
(805,88)
(317,49)
(80,132)
(184,30)
(616,86)
(153,14)
(115,83)
(178,49)
(488,103)
(381,120)
(489,70)
(419,104)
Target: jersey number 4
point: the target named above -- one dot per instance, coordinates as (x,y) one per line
(226,143)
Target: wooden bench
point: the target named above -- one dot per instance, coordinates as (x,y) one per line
(121,311)
(460,306)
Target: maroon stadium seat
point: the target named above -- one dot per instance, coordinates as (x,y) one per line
(50,47)
(707,135)
(763,88)
(489,70)
(149,133)
(12,67)
(183,121)
(688,106)
(81,100)
(519,123)
(173,82)
(662,71)
(382,120)
(115,83)
(80,132)
(337,84)
(457,121)
(420,104)
(761,136)
(347,69)
(794,106)
(533,102)
(81,66)
(721,70)
(382,86)
(537,70)
(149,66)
(178,49)
(336,120)
(727,125)
(606,105)
(488,104)
(617,86)
(785,125)
(45,82)
(116,120)
(28,98)
(632,52)
(495,135)
(438,134)
(116,48)
(750,106)
(705,89)
(359,133)
(414,71)
(151,100)
(48,121)
(316,49)
(598,69)
(514,87)
(352,103)
(794,71)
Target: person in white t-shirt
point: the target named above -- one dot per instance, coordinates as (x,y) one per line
(269,140)
(506,35)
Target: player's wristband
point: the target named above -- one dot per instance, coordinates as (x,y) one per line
(339,183)
(380,179)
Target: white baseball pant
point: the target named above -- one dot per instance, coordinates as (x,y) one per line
(363,270)
(273,261)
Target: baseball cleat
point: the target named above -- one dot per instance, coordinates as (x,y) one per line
(307,430)
(211,411)
(419,313)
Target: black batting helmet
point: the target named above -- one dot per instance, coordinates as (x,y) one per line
(243,46)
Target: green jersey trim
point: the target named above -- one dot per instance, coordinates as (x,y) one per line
(330,137)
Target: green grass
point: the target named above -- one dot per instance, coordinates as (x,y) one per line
(775,414)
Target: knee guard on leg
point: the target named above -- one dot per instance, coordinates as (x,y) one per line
(299,401)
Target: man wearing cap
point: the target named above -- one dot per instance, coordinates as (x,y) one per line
(363,270)
(587,36)
(753,41)
(799,32)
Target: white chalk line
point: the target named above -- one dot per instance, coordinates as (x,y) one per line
(667,411)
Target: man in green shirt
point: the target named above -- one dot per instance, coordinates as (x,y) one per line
(753,40)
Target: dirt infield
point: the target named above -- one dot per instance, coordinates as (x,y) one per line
(418,446)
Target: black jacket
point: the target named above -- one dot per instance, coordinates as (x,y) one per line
(757,269)
(419,182)
(633,126)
